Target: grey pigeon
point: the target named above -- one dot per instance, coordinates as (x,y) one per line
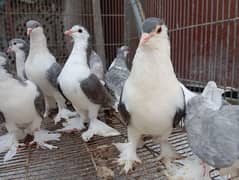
(213,128)
(21,50)
(117,73)
(82,87)
(41,68)
(152,101)
(96,65)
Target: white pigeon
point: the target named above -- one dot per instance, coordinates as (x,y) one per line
(18,109)
(82,87)
(213,128)
(152,100)
(21,50)
(117,74)
(41,68)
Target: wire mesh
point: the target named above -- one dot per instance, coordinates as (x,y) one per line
(204,44)
(204,39)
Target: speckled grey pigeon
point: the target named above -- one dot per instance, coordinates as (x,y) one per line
(41,68)
(21,50)
(213,128)
(117,73)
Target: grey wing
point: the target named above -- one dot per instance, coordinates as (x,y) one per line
(180,111)
(52,73)
(96,65)
(123,111)
(39,103)
(95,91)
(2,118)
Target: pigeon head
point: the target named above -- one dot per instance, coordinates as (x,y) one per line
(32,26)
(78,32)
(123,51)
(17,45)
(152,30)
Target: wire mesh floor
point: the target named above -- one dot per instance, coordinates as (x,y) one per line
(75,159)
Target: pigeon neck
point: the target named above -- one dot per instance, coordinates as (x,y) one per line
(38,42)
(20,59)
(80,50)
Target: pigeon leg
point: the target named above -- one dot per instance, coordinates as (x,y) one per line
(97,127)
(74,124)
(61,106)
(167,152)
(47,107)
(128,156)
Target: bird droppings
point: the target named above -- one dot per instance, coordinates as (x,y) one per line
(105,173)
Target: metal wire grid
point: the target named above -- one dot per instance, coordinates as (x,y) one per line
(197,55)
(204,38)
(76,159)
(59,15)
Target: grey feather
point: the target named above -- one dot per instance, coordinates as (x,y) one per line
(4,63)
(40,103)
(95,91)
(24,47)
(52,73)
(180,112)
(123,111)
(213,134)
(96,65)
(2,118)
(117,73)
(150,24)
(33,24)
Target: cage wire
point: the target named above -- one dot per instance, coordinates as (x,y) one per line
(204,45)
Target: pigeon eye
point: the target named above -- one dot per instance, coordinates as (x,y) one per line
(159,30)
(14,43)
(80,30)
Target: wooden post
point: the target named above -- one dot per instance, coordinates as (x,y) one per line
(98,32)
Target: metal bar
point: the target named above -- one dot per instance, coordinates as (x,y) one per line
(138,13)
(98,32)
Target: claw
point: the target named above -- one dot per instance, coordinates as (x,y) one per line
(74,124)
(128,157)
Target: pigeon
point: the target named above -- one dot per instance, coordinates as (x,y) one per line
(152,101)
(21,49)
(96,66)
(20,113)
(82,87)
(41,68)
(117,74)
(213,128)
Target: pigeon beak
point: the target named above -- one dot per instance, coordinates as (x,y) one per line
(29,31)
(9,50)
(68,32)
(144,38)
